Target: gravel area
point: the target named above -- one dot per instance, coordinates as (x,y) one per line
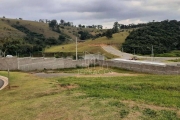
(49,75)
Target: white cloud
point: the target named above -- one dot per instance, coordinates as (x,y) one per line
(89,12)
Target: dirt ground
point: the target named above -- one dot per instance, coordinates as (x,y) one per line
(110,74)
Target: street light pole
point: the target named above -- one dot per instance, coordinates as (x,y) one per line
(152,53)
(9,79)
(8,73)
(76,48)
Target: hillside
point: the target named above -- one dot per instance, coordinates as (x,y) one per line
(92,46)
(25,37)
(37,27)
(162,37)
(6,31)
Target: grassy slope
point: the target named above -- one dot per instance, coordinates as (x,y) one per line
(73,31)
(135,97)
(91,46)
(34,26)
(6,31)
(38,27)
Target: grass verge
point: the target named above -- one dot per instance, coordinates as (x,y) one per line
(115,98)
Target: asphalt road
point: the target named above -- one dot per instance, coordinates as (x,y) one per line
(127,56)
(1,83)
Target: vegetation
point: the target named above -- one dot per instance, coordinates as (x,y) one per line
(31,36)
(92,46)
(175,60)
(125,97)
(109,33)
(174,53)
(164,36)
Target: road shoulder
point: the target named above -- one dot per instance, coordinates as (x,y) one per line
(5,79)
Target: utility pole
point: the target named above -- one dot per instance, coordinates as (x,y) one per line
(8,73)
(9,78)
(152,53)
(76,48)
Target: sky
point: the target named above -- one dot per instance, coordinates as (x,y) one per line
(89,12)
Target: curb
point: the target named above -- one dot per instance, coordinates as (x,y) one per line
(5,79)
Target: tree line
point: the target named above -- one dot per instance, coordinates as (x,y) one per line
(31,43)
(162,36)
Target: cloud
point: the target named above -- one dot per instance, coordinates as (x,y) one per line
(92,11)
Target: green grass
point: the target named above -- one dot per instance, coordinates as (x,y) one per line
(115,98)
(160,90)
(92,46)
(175,60)
(174,53)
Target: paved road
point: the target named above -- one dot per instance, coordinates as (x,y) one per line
(116,52)
(1,83)
(124,55)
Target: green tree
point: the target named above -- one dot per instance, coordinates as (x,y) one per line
(84,35)
(9,45)
(109,33)
(53,23)
(164,36)
(115,27)
(62,22)
(61,39)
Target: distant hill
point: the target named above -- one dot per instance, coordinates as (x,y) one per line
(161,37)
(34,26)
(25,37)
(91,46)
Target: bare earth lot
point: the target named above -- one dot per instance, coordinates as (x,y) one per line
(111,74)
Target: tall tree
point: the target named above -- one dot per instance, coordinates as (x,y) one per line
(53,24)
(62,22)
(109,33)
(9,45)
(115,27)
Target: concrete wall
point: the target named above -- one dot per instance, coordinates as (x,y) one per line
(28,64)
(144,68)
(10,63)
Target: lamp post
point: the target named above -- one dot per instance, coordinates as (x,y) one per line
(76,49)
(8,72)
(152,53)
